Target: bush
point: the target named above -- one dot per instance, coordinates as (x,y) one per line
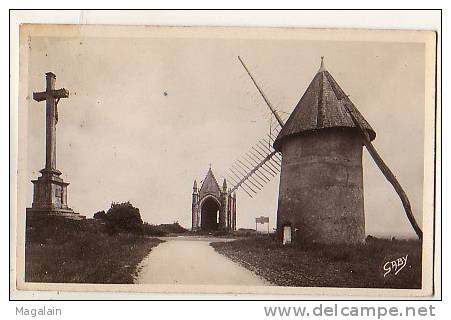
(152,230)
(162,229)
(173,228)
(101,215)
(243,232)
(124,217)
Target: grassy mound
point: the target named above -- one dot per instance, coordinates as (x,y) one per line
(60,250)
(352,266)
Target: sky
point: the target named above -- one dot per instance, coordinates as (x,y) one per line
(146,116)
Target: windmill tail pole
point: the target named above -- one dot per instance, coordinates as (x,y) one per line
(274,112)
(387,172)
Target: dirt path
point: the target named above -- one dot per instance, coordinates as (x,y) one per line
(190,260)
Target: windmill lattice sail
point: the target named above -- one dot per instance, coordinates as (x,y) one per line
(258,166)
(261,163)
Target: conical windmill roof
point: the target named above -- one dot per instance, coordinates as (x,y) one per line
(321,107)
(210,185)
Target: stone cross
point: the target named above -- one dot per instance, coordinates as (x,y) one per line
(52,97)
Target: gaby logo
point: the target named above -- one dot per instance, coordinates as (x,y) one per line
(395,266)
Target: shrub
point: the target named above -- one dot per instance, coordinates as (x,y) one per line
(124,217)
(152,230)
(243,232)
(173,227)
(162,229)
(101,215)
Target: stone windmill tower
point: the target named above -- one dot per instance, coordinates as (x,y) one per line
(321,181)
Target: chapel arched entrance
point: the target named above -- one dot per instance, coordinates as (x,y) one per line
(210,214)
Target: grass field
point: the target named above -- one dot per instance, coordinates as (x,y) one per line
(352,266)
(82,252)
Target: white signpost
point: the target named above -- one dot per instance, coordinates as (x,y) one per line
(261,220)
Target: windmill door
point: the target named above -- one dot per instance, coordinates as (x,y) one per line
(286,235)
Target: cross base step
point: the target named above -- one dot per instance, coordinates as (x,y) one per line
(54,212)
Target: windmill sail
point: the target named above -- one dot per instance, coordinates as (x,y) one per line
(256,167)
(261,163)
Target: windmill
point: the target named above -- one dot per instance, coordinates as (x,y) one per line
(264,162)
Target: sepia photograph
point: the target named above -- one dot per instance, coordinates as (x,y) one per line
(225,160)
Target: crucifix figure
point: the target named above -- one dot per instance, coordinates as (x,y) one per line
(50,191)
(51,97)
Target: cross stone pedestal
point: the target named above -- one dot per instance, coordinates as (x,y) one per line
(50,191)
(50,197)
